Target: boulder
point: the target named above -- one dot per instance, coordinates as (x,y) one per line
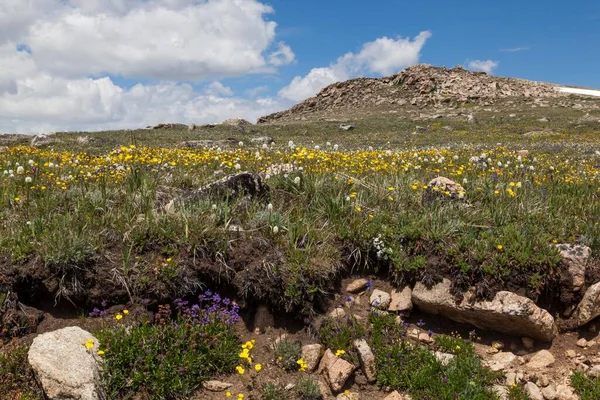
(236,122)
(262,140)
(564,392)
(336,370)
(533,391)
(442,188)
(501,361)
(575,258)
(44,140)
(549,392)
(357,285)
(216,386)
(348,396)
(589,306)
(367,360)
(380,299)
(311,354)
(347,127)
(401,300)
(507,312)
(540,360)
(337,313)
(65,367)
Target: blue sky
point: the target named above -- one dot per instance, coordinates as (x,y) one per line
(560,38)
(99,64)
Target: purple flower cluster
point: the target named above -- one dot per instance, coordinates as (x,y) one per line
(97,313)
(211,308)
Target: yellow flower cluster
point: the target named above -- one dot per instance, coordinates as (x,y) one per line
(302,365)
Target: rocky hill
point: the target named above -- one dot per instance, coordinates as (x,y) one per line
(420,85)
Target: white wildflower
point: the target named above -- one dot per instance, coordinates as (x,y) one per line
(297,180)
(241,144)
(270,207)
(275,229)
(28,179)
(20,169)
(31,162)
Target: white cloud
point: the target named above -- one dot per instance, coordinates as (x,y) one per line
(255,91)
(487,66)
(76,46)
(304,87)
(515,49)
(218,89)
(284,55)
(383,56)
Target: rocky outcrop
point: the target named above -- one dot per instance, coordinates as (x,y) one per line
(589,306)
(367,359)
(401,300)
(507,312)
(64,365)
(236,122)
(419,85)
(575,258)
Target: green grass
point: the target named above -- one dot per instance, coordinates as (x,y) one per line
(587,388)
(408,367)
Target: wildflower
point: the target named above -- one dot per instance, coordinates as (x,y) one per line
(100,352)
(302,364)
(118,317)
(275,229)
(20,169)
(457,347)
(17,199)
(240,370)
(258,367)
(125,312)
(358,208)
(227,394)
(297,180)
(241,144)
(28,179)
(340,353)
(347,392)
(499,247)
(240,396)
(270,207)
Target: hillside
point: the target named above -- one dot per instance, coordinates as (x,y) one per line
(418,86)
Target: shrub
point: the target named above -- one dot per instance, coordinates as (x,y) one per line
(172,356)
(307,388)
(287,354)
(270,391)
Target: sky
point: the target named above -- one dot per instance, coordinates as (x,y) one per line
(119,64)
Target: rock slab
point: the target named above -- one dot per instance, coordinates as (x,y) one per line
(64,367)
(589,306)
(367,360)
(507,312)
(401,300)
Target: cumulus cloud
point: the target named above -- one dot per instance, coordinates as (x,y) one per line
(284,55)
(218,89)
(487,66)
(382,56)
(515,49)
(60,57)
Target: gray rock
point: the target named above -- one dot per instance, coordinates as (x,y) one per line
(367,360)
(337,370)
(311,354)
(357,285)
(347,127)
(337,313)
(549,392)
(501,361)
(507,312)
(589,306)
(533,391)
(564,392)
(401,300)
(442,188)
(575,257)
(540,360)
(262,140)
(216,386)
(44,140)
(64,367)
(380,299)
(236,122)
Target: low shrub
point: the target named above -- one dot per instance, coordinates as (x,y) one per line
(170,357)
(307,388)
(287,354)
